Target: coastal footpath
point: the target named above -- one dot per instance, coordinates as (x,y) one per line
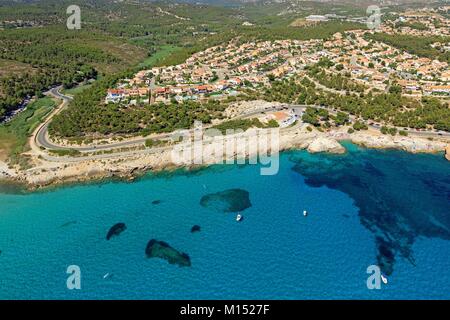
(55,170)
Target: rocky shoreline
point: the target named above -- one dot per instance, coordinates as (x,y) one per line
(46,173)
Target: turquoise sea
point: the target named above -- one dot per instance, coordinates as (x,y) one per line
(366,207)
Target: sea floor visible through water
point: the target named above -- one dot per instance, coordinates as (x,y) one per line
(366,207)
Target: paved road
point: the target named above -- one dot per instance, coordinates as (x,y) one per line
(425,134)
(42,138)
(126,154)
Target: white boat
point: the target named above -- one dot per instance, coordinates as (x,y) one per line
(305,213)
(106,276)
(384,279)
(239,218)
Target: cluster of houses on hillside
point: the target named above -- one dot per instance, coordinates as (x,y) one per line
(132,94)
(376,64)
(420,22)
(222,71)
(217,72)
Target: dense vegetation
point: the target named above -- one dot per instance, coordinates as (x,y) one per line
(14,135)
(244,124)
(420,46)
(114,37)
(319,31)
(381,107)
(334,81)
(117,38)
(205,27)
(87,116)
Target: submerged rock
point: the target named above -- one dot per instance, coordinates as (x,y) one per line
(156,201)
(386,255)
(67,224)
(116,229)
(232,200)
(393,193)
(195,228)
(161,249)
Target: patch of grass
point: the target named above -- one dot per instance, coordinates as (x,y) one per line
(66,152)
(9,67)
(243,124)
(159,56)
(149,143)
(128,53)
(73,91)
(14,135)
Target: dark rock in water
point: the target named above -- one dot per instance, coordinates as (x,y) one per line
(186,257)
(156,201)
(161,249)
(232,200)
(195,228)
(393,192)
(386,256)
(115,230)
(164,244)
(371,169)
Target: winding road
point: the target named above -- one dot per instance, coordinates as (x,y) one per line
(40,136)
(42,141)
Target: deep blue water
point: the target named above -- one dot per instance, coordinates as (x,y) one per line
(366,207)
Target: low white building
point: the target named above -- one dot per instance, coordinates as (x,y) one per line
(316,18)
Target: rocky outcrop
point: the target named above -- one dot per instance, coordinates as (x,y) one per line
(116,229)
(409,144)
(323,144)
(47,171)
(5,171)
(447,152)
(161,249)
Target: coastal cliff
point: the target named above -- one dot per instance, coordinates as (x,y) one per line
(129,165)
(409,144)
